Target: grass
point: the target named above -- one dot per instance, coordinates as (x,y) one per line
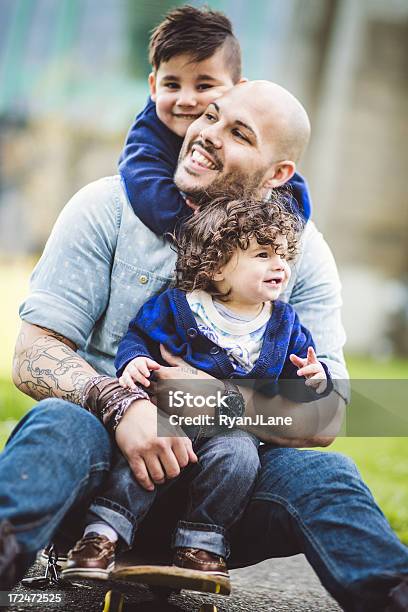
(382,461)
(364,368)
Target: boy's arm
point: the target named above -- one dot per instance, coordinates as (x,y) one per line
(300,193)
(147,167)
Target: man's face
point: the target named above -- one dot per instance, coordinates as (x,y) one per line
(226,150)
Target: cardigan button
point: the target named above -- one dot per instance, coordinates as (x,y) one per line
(143,279)
(214,350)
(191,332)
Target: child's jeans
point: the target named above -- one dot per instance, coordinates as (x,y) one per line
(220,486)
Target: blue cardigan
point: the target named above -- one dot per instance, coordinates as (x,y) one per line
(147,167)
(167,319)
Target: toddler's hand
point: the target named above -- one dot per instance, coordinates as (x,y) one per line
(138,371)
(311,369)
(194,207)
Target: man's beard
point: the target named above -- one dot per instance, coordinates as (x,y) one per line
(235,185)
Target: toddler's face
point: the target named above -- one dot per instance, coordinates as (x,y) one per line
(182,89)
(256,275)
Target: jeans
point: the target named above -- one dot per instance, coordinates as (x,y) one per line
(218,487)
(304,502)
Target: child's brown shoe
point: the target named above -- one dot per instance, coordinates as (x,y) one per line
(201,560)
(93,556)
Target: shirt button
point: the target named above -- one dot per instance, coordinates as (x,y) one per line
(191,332)
(214,350)
(143,279)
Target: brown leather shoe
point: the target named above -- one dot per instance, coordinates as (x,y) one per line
(92,557)
(201,560)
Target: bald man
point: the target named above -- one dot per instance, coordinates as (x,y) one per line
(102,263)
(252,137)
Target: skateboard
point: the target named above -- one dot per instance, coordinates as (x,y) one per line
(163,581)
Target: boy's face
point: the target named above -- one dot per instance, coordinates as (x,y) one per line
(182,89)
(256,275)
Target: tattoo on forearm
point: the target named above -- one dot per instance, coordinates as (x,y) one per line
(50,368)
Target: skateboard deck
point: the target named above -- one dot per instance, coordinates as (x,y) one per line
(172,577)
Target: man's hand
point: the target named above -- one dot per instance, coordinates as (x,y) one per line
(152,459)
(312,370)
(138,371)
(178,369)
(194,207)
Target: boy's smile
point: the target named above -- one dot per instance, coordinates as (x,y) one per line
(182,89)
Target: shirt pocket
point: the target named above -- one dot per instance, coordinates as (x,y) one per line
(131,287)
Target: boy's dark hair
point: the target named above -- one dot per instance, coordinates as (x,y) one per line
(208,240)
(200,32)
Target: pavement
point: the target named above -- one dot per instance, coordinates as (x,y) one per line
(277,585)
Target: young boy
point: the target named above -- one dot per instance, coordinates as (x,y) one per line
(224,317)
(195,58)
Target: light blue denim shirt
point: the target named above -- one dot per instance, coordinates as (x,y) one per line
(101,264)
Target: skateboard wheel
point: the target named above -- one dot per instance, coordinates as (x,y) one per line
(113,602)
(208,608)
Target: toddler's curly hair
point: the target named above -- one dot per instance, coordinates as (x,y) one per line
(208,240)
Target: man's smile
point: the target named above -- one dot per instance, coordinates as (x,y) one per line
(200,160)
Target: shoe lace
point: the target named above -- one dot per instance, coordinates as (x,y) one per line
(95,541)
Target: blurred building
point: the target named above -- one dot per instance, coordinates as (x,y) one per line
(73,76)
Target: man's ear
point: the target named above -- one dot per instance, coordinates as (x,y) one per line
(152,86)
(279,174)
